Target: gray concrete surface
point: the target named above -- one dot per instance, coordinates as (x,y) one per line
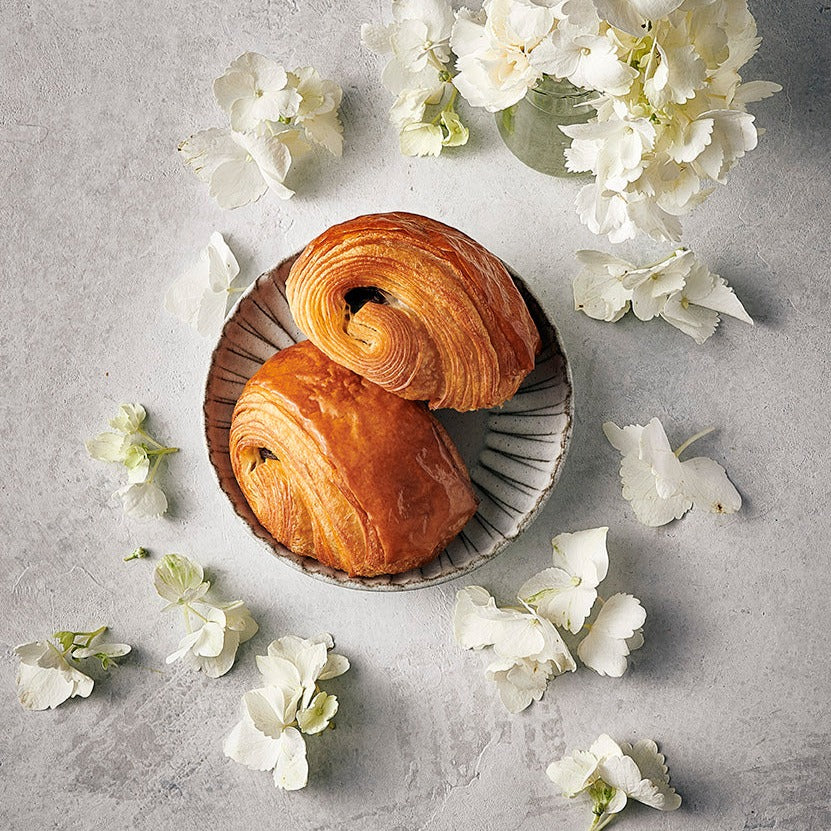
(98,216)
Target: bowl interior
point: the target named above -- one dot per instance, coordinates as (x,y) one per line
(514,452)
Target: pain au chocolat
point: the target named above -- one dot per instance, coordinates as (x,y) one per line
(416,307)
(338,469)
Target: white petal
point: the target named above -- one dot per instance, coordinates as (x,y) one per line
(722,299)
(130,417)
(421,139)
(143,500)
(291,772)
(316,717)
(620,772)
(215,666)
(706,483)
(108,447)
(696,321)
(270,709)
(272,158)
(605,649)
(248,746)
(335,665)
(625,439)
(111,650)
(754,91)
(573,774)
(222,264)
(583,554)
(652,766)
(555,596)
(279,672)
(640,489)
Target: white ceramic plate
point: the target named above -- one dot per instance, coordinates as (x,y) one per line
(514,453)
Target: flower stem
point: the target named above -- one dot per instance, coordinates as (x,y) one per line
(162,451)
(690,440)
(139,554)
(601,821)
(153,470)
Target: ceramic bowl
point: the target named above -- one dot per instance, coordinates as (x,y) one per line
(514,452)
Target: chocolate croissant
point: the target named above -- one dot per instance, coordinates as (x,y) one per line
(416,307)
(338,469)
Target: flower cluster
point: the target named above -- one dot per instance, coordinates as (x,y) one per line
(274,716)
(527,647)
(210,644)
(658,485)
(659,144)
(274,117)
(418,74)
(671,105)
(200,295)
(132,446)
(48,673)
(612,774)
(680,289)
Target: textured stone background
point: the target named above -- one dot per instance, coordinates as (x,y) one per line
(98,216)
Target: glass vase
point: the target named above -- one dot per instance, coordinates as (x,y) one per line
(530,128)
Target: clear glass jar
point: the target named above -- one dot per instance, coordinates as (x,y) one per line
(530,128)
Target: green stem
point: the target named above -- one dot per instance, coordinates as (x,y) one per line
(163,451)
(153,470)
(601,821)
(690,440)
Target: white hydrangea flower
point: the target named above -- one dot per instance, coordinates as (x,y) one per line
(200,295)
(612,774)
(679,288)
(299,663)
(318,714)
(239,167)
(254,89)
(493,58)
(272,114)
(221,627)
(265,738)
(658,485)
(417,41)
(48,673)
(615,632)
(418,73)
(528,647)
(688,90)
(45,678)
(212,646)
(589,61)
(179,580)
(268,737)
(140,454)
(317,112)
(565,594)
(598,288)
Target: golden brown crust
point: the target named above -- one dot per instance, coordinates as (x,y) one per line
(338,469)
(446,325)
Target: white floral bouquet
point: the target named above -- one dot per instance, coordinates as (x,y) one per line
(671,105)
